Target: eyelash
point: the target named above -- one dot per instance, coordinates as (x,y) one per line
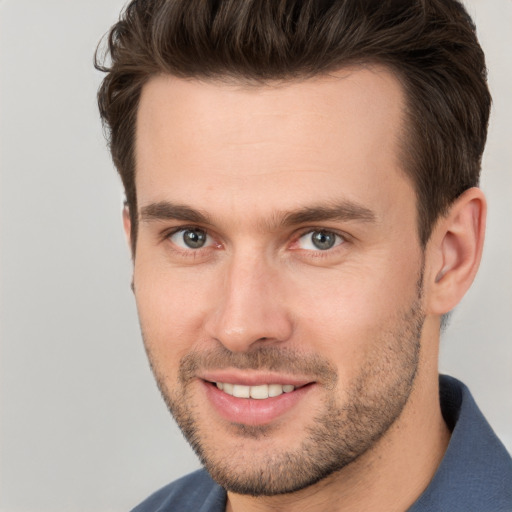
(321,253)
(188,252)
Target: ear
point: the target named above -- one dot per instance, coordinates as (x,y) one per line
(455,251)
(127,225)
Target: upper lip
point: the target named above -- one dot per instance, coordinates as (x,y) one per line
(253,378)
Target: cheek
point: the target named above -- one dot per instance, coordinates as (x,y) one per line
(171,309)
(346,315)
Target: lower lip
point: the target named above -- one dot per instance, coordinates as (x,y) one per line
(250,411)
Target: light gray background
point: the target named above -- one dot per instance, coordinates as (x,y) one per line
(82,426)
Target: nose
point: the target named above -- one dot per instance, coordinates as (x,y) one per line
(250,307)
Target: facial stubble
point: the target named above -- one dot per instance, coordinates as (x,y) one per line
(338,434)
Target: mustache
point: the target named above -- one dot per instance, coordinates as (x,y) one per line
(274,359)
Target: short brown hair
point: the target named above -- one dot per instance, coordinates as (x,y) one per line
(430,45)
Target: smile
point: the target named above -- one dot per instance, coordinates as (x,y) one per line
(260,392)
(254,403)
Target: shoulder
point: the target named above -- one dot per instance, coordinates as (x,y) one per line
(196,491)
(476,471)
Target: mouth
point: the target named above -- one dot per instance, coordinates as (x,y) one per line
(255,403)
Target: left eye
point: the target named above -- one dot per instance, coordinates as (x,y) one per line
(190,238)
(320,240)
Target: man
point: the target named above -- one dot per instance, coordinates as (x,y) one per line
(302,209)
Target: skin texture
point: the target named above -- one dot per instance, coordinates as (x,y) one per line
(256,170)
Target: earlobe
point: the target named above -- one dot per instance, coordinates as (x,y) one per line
(456,245)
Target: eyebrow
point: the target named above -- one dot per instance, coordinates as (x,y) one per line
(164,210)
(336,211)
(341,211)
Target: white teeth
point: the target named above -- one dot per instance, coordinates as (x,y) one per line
(241,391)
(275,390)
(257,392)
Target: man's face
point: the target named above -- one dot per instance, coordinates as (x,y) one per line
(278,257)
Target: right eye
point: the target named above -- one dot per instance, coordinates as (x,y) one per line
(191,238)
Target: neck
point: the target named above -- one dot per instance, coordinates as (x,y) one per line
(388,477)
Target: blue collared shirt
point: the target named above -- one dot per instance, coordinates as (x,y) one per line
(475,474)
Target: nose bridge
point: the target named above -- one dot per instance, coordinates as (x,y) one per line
(251,307)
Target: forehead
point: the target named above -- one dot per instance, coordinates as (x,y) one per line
(325,136)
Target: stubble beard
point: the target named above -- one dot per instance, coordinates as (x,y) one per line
(337,435)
